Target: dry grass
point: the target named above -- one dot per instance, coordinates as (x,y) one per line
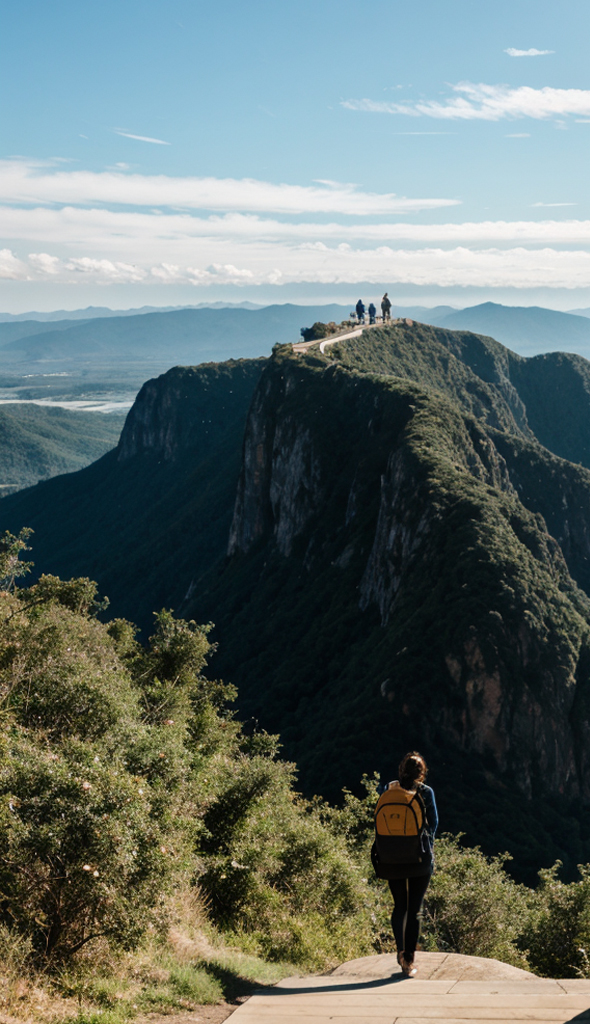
(169,979)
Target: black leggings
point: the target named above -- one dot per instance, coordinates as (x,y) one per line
(408,894)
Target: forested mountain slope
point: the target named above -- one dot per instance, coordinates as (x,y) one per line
(407,563)
(388,587)
(153,515)
(38,442)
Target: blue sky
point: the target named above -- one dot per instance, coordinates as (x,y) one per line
(188,152)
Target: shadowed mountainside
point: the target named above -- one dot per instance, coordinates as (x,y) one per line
(145,515)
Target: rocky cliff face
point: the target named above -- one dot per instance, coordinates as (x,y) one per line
(187,408)
(280,484)
(387,498)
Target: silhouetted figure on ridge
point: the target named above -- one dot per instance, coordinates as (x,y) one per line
(360,311)
(372,313)
(385,308)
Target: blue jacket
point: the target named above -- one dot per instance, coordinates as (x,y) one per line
(428,797)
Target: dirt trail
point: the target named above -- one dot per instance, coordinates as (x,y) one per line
(201,1015)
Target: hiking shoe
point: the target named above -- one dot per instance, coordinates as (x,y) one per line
(408,969)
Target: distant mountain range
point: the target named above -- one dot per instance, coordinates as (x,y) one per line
(162,339)
(92,312)
(152,341)
(528,330)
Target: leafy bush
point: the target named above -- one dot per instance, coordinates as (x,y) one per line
(94,757)
(556,933)
(275,871)
(83,834)
(473,906)
(318,331)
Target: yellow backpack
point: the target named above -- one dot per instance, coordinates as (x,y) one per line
(400,818)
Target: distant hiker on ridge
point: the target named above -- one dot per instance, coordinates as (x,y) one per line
(406,820)
(372,313)
(385,308)
(360,311)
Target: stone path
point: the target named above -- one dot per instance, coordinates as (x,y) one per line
(450,988)
(303,346)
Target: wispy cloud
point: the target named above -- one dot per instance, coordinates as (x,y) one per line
(22,182)
(518,135)
(141,138)
(512,52)
(554,204)
(481,102)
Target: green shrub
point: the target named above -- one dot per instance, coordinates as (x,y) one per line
(90,769)
(273,869)
(472,905)
(318,331)
(556,934)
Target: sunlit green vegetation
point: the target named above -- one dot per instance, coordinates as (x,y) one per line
(155,854)
(38,442)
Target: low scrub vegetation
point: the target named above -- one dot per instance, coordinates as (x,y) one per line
(155,854)
(320,330)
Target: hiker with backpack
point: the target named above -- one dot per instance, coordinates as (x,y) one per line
(406,820)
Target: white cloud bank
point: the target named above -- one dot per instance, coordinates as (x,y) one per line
(202,232)
(133,235)
(481,102)
(28,182)
(318,263)
(512,52)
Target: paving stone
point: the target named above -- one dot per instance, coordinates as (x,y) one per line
(471,990)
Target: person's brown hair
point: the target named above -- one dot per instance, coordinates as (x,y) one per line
(412,770)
